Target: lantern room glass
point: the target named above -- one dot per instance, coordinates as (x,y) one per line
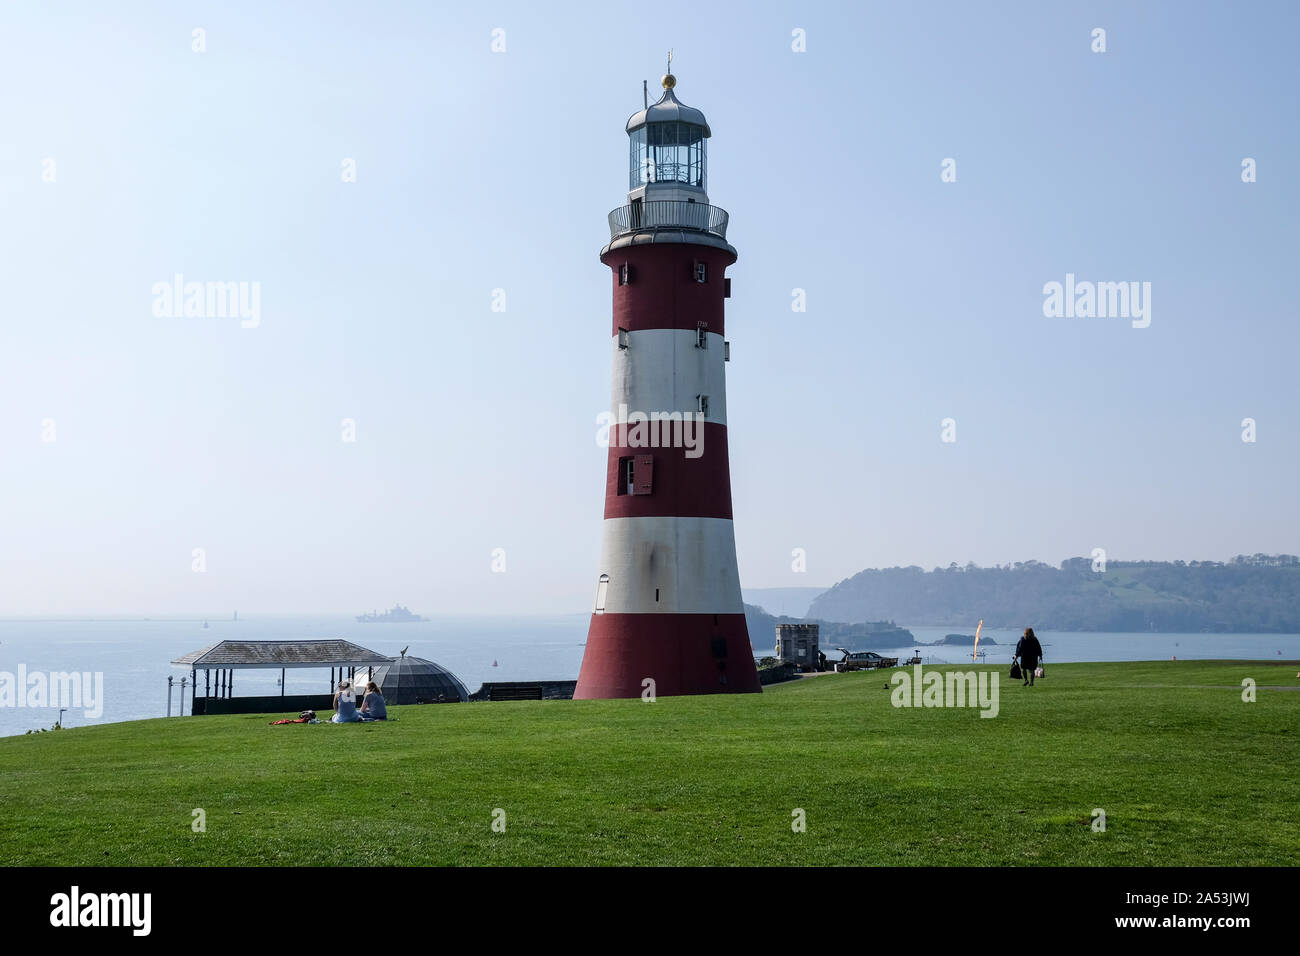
(668,153)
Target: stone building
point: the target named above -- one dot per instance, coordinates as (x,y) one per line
(797,643)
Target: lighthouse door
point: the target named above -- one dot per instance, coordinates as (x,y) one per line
(636,214)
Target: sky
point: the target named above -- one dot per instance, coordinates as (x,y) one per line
(137,447)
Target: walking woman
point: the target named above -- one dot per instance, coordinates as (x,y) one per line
(1030,653)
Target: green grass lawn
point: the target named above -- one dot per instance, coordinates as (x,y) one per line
(1186,773)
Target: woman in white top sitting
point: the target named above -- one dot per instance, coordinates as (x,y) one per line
(345,705)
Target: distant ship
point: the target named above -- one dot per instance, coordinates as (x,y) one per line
(398,615)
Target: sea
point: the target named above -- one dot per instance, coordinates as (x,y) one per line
(133,656)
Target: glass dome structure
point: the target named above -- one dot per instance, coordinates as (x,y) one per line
(414,680)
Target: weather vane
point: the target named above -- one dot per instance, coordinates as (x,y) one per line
(670,61)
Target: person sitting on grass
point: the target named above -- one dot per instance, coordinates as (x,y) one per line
(345,705)
(373,706)
(1030,653)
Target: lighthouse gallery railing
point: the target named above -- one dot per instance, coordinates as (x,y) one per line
(666,214)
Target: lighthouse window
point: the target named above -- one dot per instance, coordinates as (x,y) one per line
(625,274)
(701,272)
(668,152)
(702,405)
(636,475)
(622,338)
(602,588)
(701,338)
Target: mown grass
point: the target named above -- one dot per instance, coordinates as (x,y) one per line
(1186,772)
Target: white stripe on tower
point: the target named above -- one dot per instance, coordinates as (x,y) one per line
(664,370)
(670,565)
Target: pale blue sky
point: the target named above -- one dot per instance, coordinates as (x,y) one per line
(475,171)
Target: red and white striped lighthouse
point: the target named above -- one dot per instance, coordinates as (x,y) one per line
(668,605)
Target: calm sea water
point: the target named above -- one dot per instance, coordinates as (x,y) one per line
(1065,646)
(134,656)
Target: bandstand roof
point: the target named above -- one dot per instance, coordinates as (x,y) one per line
(233,655)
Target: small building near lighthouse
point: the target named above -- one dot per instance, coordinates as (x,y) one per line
(797,644)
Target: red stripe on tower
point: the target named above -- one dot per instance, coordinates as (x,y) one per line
(669,616)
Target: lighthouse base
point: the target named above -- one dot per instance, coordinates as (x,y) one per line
(681,653)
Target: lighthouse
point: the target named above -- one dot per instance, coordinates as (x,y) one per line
(668,616)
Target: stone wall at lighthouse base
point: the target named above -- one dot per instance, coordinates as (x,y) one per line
(681,653)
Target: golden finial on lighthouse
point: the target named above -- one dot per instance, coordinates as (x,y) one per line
(669,81)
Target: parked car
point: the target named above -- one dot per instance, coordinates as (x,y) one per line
(863,661)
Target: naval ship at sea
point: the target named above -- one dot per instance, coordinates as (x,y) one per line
(398,615)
